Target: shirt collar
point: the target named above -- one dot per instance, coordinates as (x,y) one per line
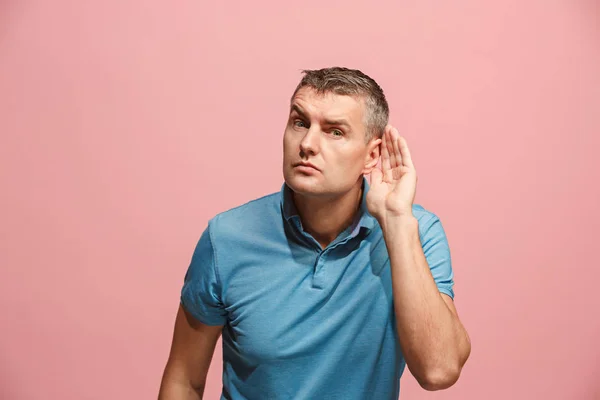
(362,220)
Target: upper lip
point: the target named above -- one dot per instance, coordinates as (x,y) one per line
(306,164)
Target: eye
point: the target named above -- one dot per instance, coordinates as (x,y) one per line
(299,124)
(337,132)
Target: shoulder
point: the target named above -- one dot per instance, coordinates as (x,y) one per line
(423,215)
(247,217)
(429,222)
(244,232)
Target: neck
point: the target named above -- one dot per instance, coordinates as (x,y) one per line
(325,217)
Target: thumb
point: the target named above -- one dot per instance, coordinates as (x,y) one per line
(376,176)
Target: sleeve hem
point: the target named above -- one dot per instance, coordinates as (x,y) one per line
(203,318)
(215,259)
(447,291)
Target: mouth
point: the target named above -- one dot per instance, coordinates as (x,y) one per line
(306,166)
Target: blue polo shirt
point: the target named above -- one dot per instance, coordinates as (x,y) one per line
(301,322)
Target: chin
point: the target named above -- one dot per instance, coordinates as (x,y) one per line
(317,185)
(304,184)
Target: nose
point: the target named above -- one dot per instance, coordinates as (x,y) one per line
(309,146)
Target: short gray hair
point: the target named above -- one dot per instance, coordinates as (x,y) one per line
(351,82)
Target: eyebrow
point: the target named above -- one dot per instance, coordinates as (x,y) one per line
(298,110)
(342,122)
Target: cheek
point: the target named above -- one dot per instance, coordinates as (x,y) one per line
(288,144)
(291,139)
(353,161)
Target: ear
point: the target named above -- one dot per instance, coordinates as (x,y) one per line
(373,153)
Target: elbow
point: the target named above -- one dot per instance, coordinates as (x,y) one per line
(439,379)
(446,374)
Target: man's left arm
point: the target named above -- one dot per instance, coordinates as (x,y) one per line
(433,340)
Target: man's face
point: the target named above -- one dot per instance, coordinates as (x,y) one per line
(324,148)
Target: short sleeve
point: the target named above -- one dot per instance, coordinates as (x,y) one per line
(437,252)
(201,292)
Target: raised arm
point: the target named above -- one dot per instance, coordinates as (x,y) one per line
(434,341)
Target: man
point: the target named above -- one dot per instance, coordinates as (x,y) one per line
(328,288)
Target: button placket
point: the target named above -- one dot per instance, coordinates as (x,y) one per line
(318,273)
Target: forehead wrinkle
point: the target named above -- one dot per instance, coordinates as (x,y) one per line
(334,118)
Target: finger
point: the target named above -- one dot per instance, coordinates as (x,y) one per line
(385,154)
(390,149)
(389,167)
(406,157)
(397,152)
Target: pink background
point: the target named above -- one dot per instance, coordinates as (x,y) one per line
(125,125)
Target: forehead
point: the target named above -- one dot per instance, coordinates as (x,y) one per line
(330,105)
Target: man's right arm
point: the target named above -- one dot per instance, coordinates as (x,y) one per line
(192,350)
